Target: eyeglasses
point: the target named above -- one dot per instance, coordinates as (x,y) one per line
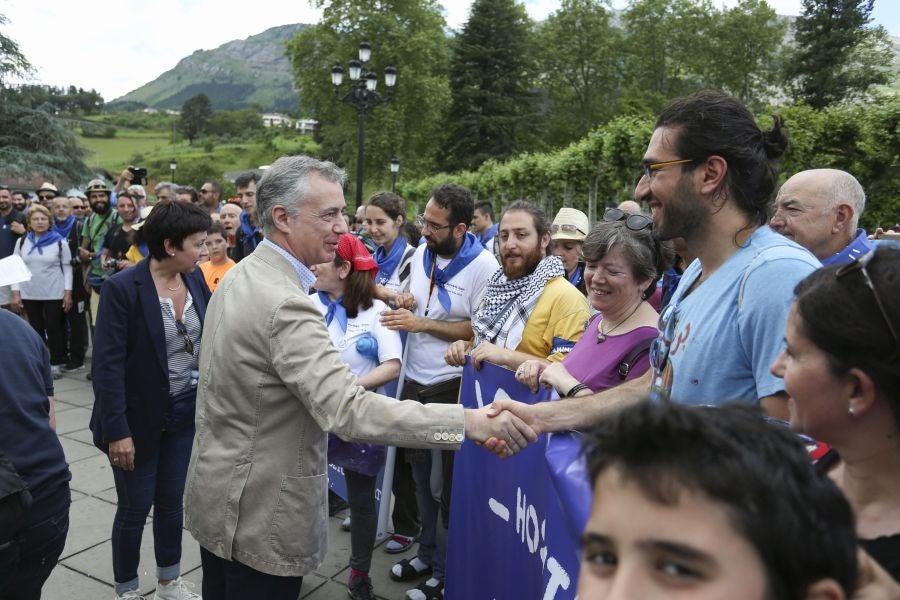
(188,343)
(46,196)
(632,222)
(651,168)
(422,223)
(203,191)
(860,264)
(566,228)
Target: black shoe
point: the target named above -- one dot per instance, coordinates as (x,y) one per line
(423,591)
(360,588)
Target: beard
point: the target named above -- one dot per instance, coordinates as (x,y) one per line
(100,207)
(446,247)
(531,260)
(683,215)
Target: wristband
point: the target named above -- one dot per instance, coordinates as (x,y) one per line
(575,389)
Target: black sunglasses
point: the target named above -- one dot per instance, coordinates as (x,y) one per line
(632,222)
(188,344)
(860,265)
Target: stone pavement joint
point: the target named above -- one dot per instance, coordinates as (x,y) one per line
(85,568)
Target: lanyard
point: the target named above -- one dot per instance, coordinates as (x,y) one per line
(430,286)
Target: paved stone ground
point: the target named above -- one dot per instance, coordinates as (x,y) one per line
(85,568)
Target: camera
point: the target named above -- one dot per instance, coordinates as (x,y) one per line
(139,175)
(111,263)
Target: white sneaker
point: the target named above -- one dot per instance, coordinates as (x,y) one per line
(130,595)
(177,589)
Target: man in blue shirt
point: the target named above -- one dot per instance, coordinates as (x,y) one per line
(708,177)
(12,227)
(483,226)
(819,209)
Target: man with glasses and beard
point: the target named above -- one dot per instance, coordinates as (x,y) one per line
(530,309)
(708,178)
(210,196)
(450,272)
(103,218)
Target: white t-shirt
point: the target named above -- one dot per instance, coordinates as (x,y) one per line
(365,322)
(425,357)
(395,283)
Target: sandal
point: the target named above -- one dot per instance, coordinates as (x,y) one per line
(407,571)
(399,544)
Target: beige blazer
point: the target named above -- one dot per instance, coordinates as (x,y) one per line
(271,386)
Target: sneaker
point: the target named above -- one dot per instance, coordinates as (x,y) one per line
(345,524)
(71,367)
(130,595)
(424,591)
(177,589)
(56,371)
(360,588)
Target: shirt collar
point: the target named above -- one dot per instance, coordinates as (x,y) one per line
(306,276)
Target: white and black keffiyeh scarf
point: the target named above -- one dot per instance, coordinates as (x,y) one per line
(501,317)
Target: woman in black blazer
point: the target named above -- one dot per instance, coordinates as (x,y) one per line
(144,373)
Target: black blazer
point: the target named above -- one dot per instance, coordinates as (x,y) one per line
(129,368)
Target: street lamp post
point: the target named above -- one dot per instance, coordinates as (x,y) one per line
(395,168)
(173,164)
(363,97)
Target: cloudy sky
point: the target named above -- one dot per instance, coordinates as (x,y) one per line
(115,46)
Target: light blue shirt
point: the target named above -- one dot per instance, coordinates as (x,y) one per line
(306,276)
(728,331)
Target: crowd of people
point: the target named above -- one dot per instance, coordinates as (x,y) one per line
(730,347)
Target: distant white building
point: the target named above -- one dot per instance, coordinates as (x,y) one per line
(277,120)
(306,126)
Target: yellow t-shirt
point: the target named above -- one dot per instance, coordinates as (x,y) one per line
(214,273)
(556,322)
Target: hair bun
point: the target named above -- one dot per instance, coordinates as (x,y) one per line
(775,140)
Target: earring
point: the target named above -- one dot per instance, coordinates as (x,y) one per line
(171,254)
(851,412)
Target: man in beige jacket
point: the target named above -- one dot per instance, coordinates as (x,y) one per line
(272,385)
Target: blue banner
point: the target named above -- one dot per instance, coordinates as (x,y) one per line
(515,523)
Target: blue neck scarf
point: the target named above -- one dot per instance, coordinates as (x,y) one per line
(249,230)
(387,262)
(575,279)
(51,237)
(470,249)
(65,228)
(860,245)
(335,310)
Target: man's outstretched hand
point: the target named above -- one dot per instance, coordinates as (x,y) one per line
(527,413)
(509,432)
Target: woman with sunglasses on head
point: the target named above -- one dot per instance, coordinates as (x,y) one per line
(841,369)
(622,264)
(346,296)
(145,377)
(567,233)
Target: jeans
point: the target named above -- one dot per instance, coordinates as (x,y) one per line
(48,319)
(156,481)
(231,580)
(363,518)
(432,544)
(26,562)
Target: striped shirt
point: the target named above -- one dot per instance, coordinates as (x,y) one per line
(180,362)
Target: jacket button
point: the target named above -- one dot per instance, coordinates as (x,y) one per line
(445,436)
(437,436)
(459,437)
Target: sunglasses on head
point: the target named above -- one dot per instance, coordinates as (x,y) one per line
(565,228)
(860,265)
(188,343)
(632,222)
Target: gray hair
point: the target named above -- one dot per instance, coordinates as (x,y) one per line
(285,183)
(162,185)
(844,187)
(646,256)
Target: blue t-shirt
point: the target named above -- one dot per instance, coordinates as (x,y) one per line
(26,438)
(726,333)
(8,239)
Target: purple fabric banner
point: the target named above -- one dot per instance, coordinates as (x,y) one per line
(515,523)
